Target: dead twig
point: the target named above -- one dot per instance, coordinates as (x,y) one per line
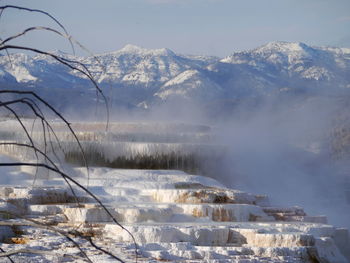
(38,252)
(36,111)
(83,188)
(2,8)
(8,257)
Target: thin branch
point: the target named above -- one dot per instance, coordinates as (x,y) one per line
(66,62)
(48,127)
(32,107)
(34,223)
(103,250)
(7,52)
(38,252)
(59,116)
(8,257)
(56,32)
(47,158)
(25,130)
(75,66)
(2,8)
(34,28)
(83,188)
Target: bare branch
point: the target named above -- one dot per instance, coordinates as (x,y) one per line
(56,32)
(2,8)
(8,257)
(47,158)
(34,223)
(39,252)
(80,186)
(47,130)
(19,92)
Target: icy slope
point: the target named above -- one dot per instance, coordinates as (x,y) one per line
(190,85)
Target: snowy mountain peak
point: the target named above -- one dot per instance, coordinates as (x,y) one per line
(129,48)
(276,49)
(279,52)
(152,75)
(283,47)
(133,49)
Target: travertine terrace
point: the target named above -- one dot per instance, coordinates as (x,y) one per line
(173,217)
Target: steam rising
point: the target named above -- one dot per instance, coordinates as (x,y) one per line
(283,150)
(280,146)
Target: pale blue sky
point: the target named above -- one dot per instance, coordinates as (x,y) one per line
(209,27)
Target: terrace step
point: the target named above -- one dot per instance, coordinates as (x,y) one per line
(282,240)
(229,234)
(178,217)
(173,212)
(39,195)
(293,214)
(206,195)
(185,250)
(162,212)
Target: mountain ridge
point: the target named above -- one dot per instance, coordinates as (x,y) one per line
(139,76)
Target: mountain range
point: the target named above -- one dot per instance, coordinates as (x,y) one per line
(139,78)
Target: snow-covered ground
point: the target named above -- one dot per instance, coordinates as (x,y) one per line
(173,216)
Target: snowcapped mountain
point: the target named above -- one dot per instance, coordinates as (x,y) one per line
(135,77)
(283,66)
(137,66)
(297,60)
(189,85)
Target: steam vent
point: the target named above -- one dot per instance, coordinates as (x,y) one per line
(163,214)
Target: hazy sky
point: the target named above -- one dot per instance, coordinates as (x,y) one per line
(209,27)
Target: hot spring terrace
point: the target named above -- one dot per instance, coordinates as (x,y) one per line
(174,216)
